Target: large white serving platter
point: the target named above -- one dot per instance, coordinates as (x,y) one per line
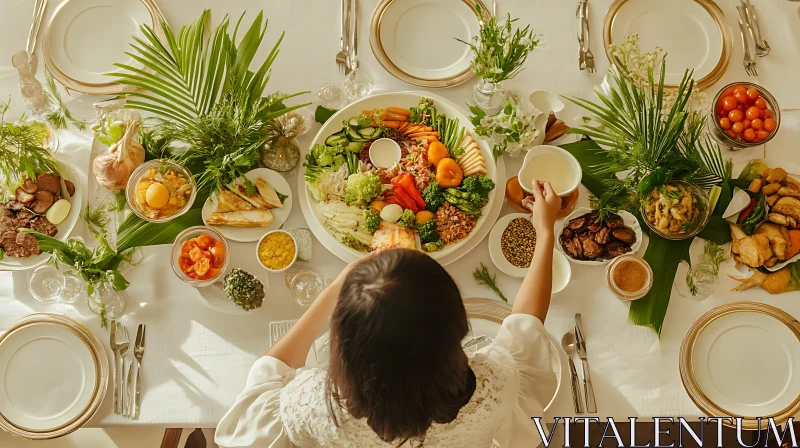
(48,376)
(496,171)
(686,29)
(9,263)
(252,234)
(86,37)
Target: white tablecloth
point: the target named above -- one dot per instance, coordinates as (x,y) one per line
(197,358)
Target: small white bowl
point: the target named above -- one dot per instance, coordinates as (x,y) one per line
(499,259)
(386,146)
(554,150)
(294,259)
(629,220)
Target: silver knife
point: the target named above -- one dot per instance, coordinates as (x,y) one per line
(762,46)
(581,53)
(354,35)
(138,353)
(116,361)
(591,405)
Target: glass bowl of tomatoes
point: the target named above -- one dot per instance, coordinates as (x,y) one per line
(745,115)
(200,256)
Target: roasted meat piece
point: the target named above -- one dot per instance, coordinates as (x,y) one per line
(602,236)
(70,187)
(567,233)
(14,205)
(29,186)
(591,249)
(22,246)
(615,249)
(624,234)
(579,224)
(573,247)
(44,199)
(22,196)
(24,216)
(614,221)
(49,182)
(42,225)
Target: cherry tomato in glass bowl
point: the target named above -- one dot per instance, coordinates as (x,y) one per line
(760,103)
(729,103)
(737,127)
(761,135)
(736,116)
(770,124)
(741,96)
(767,114)
(757,124)
(725,123)
(749,135)
(753,112)
(753,94)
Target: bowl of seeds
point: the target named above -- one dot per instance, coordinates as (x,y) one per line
(512,242)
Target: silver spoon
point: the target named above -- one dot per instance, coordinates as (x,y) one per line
(570,346)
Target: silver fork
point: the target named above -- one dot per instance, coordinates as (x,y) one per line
(123,344)
(749,62)
(762,46)
(589,57)
(341,56)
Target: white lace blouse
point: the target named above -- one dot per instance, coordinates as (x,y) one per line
(281,406)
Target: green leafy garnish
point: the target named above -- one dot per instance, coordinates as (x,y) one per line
(484,278)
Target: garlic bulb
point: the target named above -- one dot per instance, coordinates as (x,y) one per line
(113,168)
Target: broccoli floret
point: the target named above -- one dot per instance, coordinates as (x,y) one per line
(480,185)
(434,246)
(243,289)
(326,156)
(372,220)
(428,232)
(433,195)
(407,219)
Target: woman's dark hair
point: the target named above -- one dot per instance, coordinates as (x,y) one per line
(396,356)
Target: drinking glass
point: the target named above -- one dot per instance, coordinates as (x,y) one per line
(48,284)
(358,84)
(699,282)
(331,96)
(104,296)
(305,286)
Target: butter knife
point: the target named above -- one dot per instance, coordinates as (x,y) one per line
(138,353)
(116,362)
(354,35)
(591,405)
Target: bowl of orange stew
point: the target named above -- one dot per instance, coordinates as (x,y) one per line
(200,256)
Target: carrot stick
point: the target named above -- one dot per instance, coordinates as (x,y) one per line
(392,124)
(398,111)
(413,129)
(424,134)
(367,111)
(395,117)
(403,126)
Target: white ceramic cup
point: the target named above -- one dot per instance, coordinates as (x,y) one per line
(553,150)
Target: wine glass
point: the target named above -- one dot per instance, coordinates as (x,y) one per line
(48,284)
(305,286)
(358,84)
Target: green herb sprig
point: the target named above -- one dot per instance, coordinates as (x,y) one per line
(484,278)
(21,151)
(59,115)
(499,51)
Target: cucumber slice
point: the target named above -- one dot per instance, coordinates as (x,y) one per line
(354,122)
(367,132)
(376,134)
(355,146)
(354,136)
(334,140)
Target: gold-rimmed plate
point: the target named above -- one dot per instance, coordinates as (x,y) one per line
(693,33)
(84,39)
(416,41)
(54,376)
(743,360)
(485,318)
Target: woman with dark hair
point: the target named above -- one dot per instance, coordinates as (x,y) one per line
(398,375)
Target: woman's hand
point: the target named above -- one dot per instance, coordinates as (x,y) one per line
(544,204)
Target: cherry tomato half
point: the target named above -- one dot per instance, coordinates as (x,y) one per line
(185,264)
(205,241)
(736,115)
(217,254)
(187,247)
(196,254)
(202,266)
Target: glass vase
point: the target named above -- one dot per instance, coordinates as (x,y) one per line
(281,154)
(489,96)
(105,297)
(699,281)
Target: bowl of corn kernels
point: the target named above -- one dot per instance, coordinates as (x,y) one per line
(277,251)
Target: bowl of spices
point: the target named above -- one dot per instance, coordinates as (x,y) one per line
(512,243)
(629,277)
(277,251)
